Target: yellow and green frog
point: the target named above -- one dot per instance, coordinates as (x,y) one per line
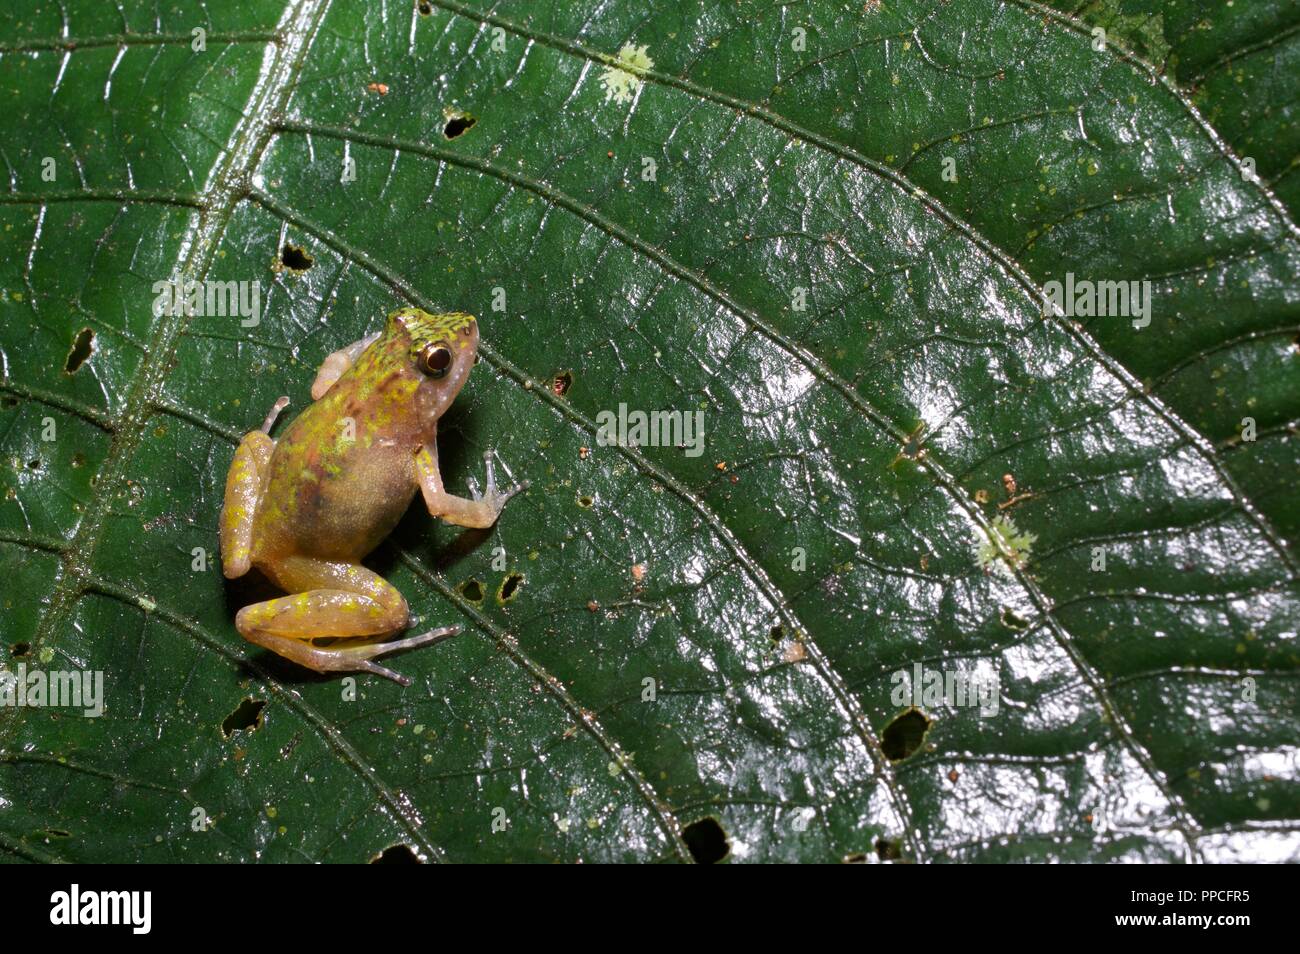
(306,509)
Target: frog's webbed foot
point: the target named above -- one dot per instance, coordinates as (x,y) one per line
(480,510)
(492,495)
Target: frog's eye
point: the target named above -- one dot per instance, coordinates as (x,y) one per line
(435,360)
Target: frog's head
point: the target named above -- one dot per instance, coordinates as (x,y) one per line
(442,349)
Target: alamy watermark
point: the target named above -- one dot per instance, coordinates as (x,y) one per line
(1087,299)
(932,688)
(626,428)
(60,689)
(133,909)
(208,299)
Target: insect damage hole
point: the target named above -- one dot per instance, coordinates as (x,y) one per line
(509,587)
(83,346)
(904,735)
(706,840)
(246,717)
(458,123)
(889,849)
(472,590)
(295,258)
(425,8)
(399,854)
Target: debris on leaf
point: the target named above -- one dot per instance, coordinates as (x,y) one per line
(1009,484)
(380,88)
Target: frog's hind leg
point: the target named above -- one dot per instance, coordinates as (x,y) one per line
(244,486)
(332,600)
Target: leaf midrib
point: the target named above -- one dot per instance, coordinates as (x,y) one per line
(226,188)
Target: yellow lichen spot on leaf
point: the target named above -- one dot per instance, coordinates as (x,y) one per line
(619,79)
(1003,546)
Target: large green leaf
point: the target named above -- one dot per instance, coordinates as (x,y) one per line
(656,250)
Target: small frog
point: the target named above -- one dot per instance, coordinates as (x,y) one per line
(307,508)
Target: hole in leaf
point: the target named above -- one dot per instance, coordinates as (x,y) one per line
(83,346)
(295,257)
(889,849)
(913,446)
(706,841)
(585,502)
(58,832)
(472,590)
(396,855)
(509,587)
(247,716)
(34,463)
(18,650)
(458,124)
(777,634)
(904,735)
(1013,620)
(857,858)
(425,8)
(78,459)
(563,381)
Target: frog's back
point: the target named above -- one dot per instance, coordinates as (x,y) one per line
(343,472)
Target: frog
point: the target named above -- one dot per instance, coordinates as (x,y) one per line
(306,509)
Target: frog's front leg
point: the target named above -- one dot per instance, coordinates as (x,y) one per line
(332,599)
(480,512)
(337,363)
(244,486)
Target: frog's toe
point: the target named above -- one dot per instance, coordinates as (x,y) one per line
(276,408)
(362,657)
(494,494)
